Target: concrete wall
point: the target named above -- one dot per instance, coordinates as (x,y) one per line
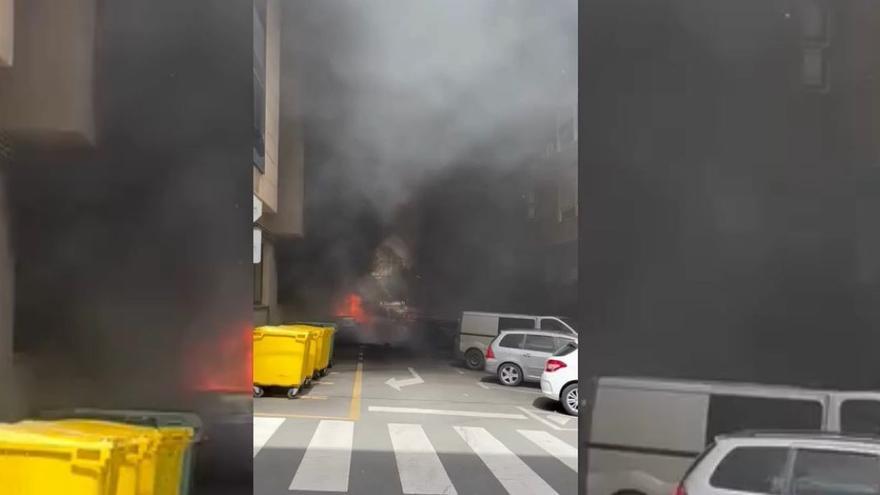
(7,30)
(49,92)
(6,301)
(720,215)
(270,282)
(266,183)
(288,217)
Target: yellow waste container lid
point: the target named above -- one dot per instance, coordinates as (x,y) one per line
(145,438)
(136,444)
(84,450)
(281,331)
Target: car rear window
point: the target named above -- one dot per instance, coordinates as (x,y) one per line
(540,343)
(753,470)
(566,349)
(513,340)
(825,472)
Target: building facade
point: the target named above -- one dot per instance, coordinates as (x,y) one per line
(278,164)
(47,101)
(552,209)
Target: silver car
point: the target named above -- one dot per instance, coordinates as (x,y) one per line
(516,356)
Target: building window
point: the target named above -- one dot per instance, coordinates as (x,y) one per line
(258,280)
(259,85)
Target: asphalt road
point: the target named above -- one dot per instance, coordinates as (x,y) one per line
(446,430)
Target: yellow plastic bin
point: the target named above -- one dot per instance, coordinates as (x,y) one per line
(163,421)
(318,341)
(145,469)
(171,465)
(161,451)
(317,349)
(328,326)
(324,350)
(281,358)
(40,459)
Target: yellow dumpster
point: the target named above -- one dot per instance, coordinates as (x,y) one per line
(139,471)
(281,358)
(161,450)
(44,460)
(316,350)
(325,351)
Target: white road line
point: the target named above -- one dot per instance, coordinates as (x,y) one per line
(544,421)
(514,474)
(327,461)
(264,428)
(460,372)
(420,469)
(443,412)
(567,454)
(509,389)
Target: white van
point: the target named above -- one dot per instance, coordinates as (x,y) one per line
(645,433)
(476,331)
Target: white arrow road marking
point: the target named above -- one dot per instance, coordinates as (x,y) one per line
(567,454)
(398,384)
(264,428)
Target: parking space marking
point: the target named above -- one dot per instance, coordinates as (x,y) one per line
(554,446)
(444,412)
(264,428)
(418,465)
(354,411)
(514,474)
(326,464)
(544,421)
(486,386)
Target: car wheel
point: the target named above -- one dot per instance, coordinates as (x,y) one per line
(510,374)
(569,399)
(474,359)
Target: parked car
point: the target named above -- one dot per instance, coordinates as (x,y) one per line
(476,330)
(560,378)
(515,356)
(786,463)
(645,433)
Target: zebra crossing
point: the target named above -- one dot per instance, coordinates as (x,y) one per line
(317,456)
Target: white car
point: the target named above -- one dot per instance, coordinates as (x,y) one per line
(560,378)
(786,463)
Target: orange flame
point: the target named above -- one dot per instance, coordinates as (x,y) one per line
(352,307)
(225,365)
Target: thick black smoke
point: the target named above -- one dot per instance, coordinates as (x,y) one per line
(399,97)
